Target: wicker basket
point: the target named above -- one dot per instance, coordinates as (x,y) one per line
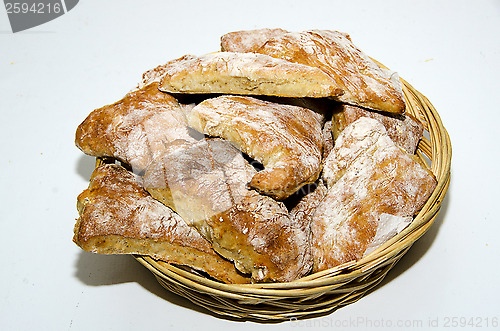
(322,292)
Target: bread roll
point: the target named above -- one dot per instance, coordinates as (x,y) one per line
(286,139)
(367,175)
(248,74)
(363,81)
(135,129)
(118,217)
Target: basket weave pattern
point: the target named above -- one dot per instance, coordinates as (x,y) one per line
(325,291)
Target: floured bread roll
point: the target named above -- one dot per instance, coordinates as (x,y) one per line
(406,132)
(364,83)
(205,182)
(367,175)
(118,217)
(262,239)
(135,129)
(286,139)
(245,73)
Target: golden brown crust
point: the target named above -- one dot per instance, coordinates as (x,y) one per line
(245,73)
(261,238)
(248,41)
(118,217)
(404,130)
(286,139)
(364,83)
(205,182)
(134,129)
(367,176)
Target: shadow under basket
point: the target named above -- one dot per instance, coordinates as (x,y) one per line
(325,291)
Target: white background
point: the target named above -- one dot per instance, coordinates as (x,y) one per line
(53,75)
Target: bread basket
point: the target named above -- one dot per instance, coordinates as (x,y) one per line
(322,292)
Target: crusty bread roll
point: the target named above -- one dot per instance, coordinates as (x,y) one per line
(245,73)
(286,139)
(262,239)
(118,217)
(364,83)
(367,175)
(135,129)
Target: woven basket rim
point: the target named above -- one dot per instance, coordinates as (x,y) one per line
(329,289)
